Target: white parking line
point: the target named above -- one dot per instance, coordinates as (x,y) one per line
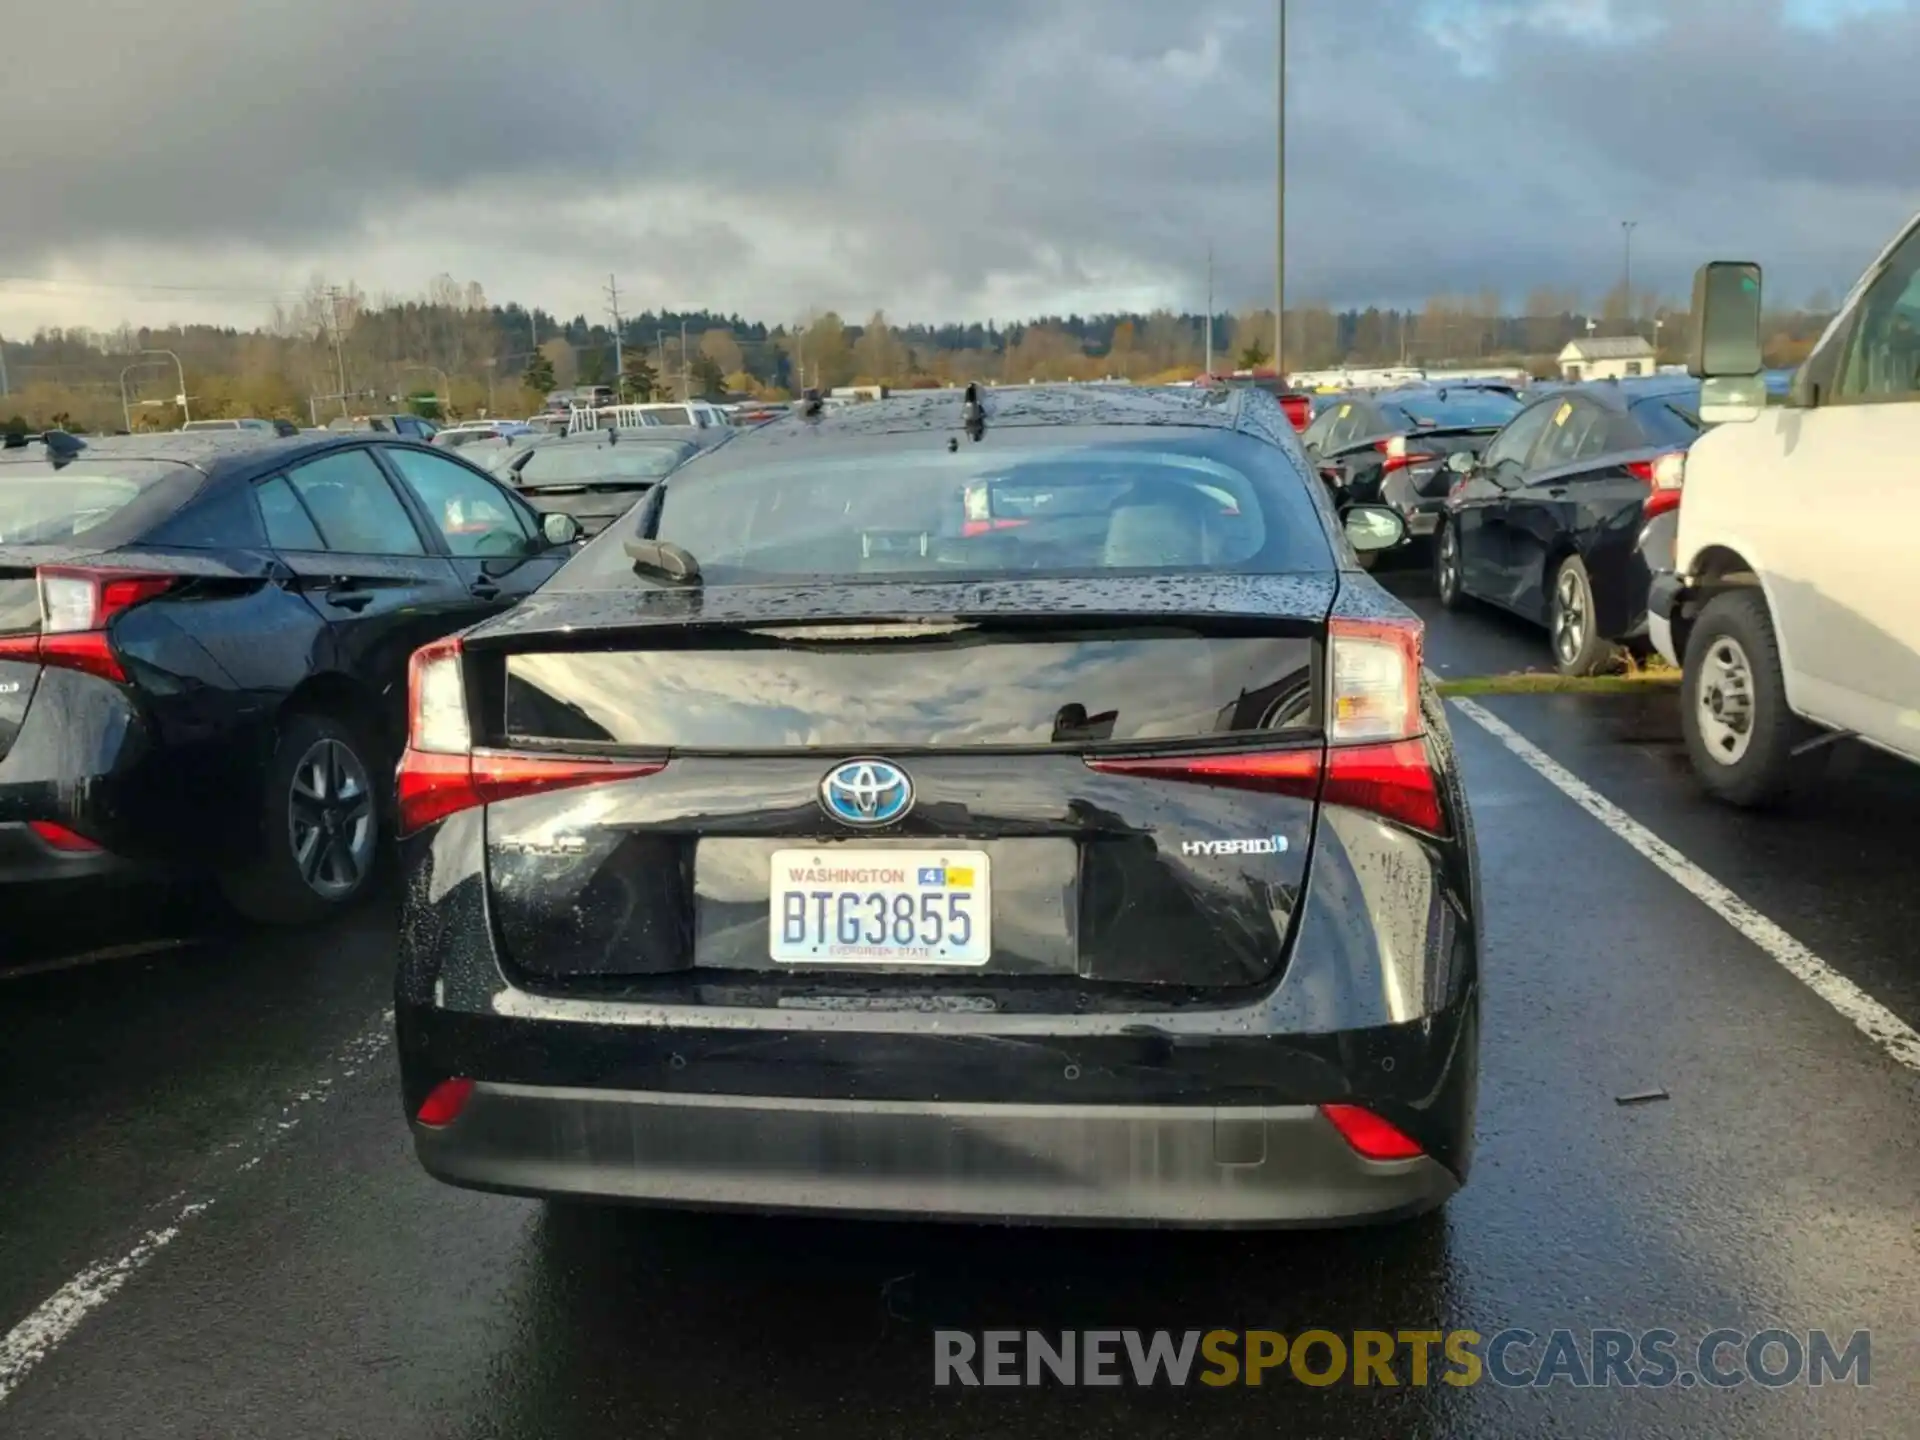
(1869,1016)
(56,1318)
(94,957)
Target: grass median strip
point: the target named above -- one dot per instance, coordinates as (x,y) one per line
(1639,682)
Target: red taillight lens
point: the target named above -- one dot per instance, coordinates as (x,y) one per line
(442,774)
(1378,759)
(76,607)
(445,1102)
(1399,455)
(1665,477)
(1370,1137)
(1299,410)
(1274,772)
(59,837)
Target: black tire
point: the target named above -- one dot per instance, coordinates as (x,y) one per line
(1735,628)
(1578,646)
(341,857)
(1447,566)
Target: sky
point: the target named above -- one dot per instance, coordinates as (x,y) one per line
(997,159)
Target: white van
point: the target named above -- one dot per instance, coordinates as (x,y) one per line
(1793,606)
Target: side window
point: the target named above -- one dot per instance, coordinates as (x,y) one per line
(1346,420)
(1578,431)
(474,514)
(1511,446)
(289,527)
(1316,434)
(1882,358)
(354,507)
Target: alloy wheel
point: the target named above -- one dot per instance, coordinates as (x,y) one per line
(1569,616)
(331,825)
(1449,561)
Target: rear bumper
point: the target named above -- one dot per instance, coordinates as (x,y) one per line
(26,859)
(1664,596)
(1058,1164)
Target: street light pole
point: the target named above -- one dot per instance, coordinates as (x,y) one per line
(1280,247)
(186,412)
(1627,227)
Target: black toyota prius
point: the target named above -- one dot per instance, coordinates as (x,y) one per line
(1011,807)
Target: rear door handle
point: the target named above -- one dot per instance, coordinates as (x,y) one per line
(348,595)
(484,591)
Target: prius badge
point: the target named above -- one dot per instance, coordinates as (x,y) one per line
(866,792)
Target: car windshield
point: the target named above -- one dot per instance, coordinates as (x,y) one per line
(669,415)
(1450,409)
(559,464)
(1028,510)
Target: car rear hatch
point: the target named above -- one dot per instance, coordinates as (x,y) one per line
(595,505)
(1103,802)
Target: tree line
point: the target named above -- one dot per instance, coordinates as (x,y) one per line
(452,351)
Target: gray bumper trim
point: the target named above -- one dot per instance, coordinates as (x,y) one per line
(1094,1165)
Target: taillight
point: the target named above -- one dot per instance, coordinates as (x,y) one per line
(1664,477)
(76,607)
(1370,1137)
(1399,455)
(441,773)
(59,837)
(1376,756)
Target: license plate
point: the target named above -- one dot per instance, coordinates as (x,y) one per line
(880,907)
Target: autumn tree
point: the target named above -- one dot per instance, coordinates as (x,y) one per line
(877,354)
(638,379)
(560,363)
(720,347)
(708,379)
(1252,355)
(828,354)
(538,376)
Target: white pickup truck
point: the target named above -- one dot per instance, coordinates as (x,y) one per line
(1793,604)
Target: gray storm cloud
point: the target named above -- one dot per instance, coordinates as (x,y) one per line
(947,160)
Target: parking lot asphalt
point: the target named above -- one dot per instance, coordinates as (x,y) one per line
(211,1222)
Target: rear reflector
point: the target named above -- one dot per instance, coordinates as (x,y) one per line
(1370,1137)
(59,837)
(445,1102)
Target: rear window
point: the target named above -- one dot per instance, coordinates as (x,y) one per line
(670,415)
(1480,409)
(1221,502)
(563,464)
(1669,419)
(100,502)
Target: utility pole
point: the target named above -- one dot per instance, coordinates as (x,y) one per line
(1627,227)
(1280,247)
(1209,308)
(5,389)
(686,375)
(339,359)
(619,353)
(660,339)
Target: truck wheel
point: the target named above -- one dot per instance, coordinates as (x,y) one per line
(319,843)
(1733,703)
(1578,646)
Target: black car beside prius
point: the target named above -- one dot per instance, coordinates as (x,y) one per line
(1547,521)
(806,844)
(597,475)
(1391,447)
(204,642)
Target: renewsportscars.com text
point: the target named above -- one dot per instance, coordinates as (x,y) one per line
(1513,1359)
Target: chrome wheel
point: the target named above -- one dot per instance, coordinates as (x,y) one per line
(1569,616)
(1723,701)
(331,824)
(1449,562)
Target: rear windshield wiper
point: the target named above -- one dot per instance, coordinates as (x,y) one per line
(664,560)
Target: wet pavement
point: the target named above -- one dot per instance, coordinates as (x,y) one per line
(234,1095)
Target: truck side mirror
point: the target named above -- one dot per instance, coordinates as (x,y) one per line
(1726,312)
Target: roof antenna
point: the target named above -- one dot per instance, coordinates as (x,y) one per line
(974,415)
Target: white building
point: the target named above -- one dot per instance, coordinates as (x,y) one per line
(1614,357)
